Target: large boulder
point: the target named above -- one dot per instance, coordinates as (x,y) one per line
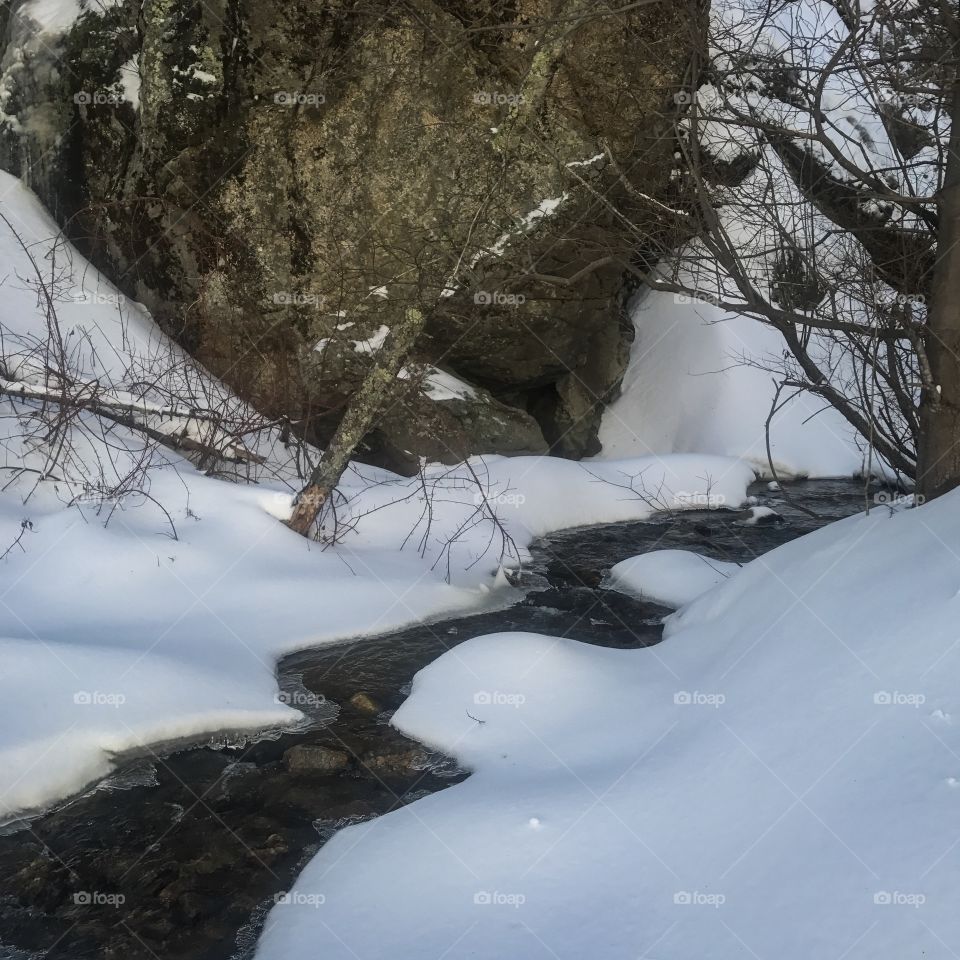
(264,175)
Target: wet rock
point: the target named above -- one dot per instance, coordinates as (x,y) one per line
(315,759)
(396,763)
(761,516)
(364,703)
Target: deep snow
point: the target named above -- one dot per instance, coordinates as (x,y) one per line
(669,577)
(698,380)
(777,779)
(151,616)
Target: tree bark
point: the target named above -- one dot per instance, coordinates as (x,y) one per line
(938,461)
(362,413)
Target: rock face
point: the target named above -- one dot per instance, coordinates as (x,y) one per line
(279,181)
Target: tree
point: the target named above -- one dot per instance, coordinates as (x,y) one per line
(814,147)
(938,467)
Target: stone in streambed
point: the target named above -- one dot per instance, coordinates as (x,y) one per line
(315,759)
(364,703)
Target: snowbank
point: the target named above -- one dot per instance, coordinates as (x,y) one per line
(129,618)
(778,778)
(117,635)
(696,382)
(670,577)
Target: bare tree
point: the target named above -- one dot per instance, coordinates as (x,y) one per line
(813,150)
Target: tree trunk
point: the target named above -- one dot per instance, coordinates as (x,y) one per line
(362,413)
(938,460)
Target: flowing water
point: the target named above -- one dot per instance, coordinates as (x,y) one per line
(181,852)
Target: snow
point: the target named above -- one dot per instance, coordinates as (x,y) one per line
(672,578)
(53,16)
(440,385)
(776,779)
(373,343)
(138,614)
(695,382)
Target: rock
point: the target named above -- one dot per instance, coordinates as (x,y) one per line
(315,759)
(396,763)
(446,419)
(761,516)
(364,703)
(261,221)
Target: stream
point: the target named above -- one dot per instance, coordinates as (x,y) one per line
(180,853)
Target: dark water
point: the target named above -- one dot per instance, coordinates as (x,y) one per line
(179,855)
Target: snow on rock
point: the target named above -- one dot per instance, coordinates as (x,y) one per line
(761,515)
(373,343)
(669,577)
(776,779)
(439,384)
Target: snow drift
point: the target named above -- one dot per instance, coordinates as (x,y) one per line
(778,778)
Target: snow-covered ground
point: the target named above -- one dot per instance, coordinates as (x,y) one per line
(139,617)
(697,381)
(669,577)
(777,779)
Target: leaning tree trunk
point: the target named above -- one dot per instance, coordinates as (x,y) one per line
(362,413)
(938,459)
